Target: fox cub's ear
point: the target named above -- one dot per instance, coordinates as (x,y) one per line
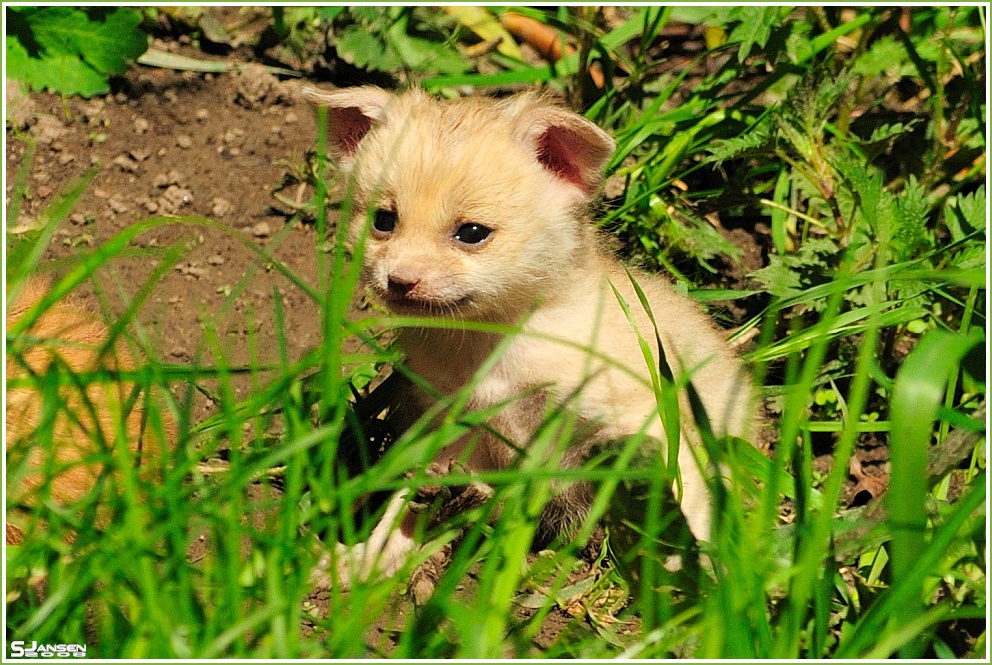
(351,114)
(568,146)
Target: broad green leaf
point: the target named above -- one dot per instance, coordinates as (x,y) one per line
(67,75)
(106,45)
(70,51)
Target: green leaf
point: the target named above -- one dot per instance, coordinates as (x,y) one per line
(107,46)
(886,56)
(912,210)
(71,51)
(423,54)
(786,274)
(68,75)
(366,14)
(330,13)
(887,131)
(966,214)
(756,24)
(362,49)
(724,149)
(778,278)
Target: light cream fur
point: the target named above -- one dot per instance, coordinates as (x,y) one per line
(441,164)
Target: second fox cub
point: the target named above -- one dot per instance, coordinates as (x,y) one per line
(60,430)
(477,210)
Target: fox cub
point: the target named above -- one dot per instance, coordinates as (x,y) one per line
(85,421)
(478,210)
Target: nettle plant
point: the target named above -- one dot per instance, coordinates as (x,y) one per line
(911,239)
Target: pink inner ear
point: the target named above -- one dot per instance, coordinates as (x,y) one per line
(348,126)
(560,151)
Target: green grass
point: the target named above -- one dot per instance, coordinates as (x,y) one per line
(870,319)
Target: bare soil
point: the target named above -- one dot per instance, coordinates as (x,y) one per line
(173,143)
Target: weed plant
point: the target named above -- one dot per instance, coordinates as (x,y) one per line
(856,136)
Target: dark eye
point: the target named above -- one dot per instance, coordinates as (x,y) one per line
(384,221)
(472,234)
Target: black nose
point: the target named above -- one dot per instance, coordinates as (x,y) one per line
(400,287)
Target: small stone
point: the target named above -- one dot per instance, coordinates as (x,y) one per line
(170,96)
(191,270)
(139,155)
(184,141)
(77,218)
(202,114)
(43,191)
(162,180)
(141,125)
(290,118)
(254,85)
(220,207)
(93,109)
(47,129)
(66,157)
(234,136)
(261,230)
(216,260)
(126,163)
(174,198)
(117,205)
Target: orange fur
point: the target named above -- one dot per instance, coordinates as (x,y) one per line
(87,419)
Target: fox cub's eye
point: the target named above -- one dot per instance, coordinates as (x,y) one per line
(384,221)
(472,234)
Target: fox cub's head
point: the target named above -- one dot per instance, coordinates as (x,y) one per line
(469,208)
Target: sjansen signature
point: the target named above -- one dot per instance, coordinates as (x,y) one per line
(18,650)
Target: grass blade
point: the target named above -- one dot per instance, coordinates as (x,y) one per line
(917,396)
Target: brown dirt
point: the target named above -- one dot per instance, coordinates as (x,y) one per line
(183,144)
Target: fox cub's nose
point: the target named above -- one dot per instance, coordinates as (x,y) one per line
(401,286)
